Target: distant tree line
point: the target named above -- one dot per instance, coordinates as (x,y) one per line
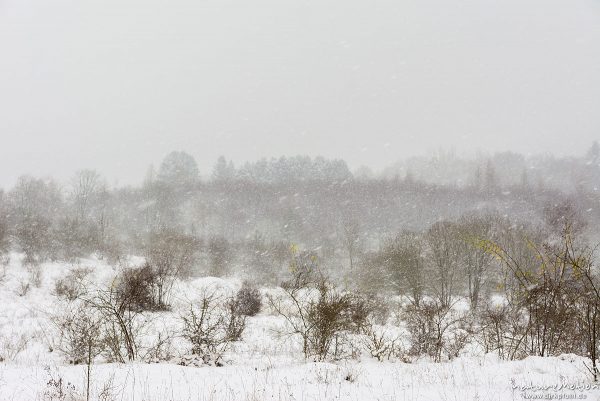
(247,217)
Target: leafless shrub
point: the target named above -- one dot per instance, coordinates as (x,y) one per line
(59,390)
(265,259)
(380,344)
(23,288)
(331,315)
(320,315)
(360,310)
(325,375)
(211,326)
(66,288)
(107,392)
(12,345)
(112,249)
(429,326)
(352,374)
(73,237)
(72,286)
(4,262)
(4,236)
(35,274)
(379,309)
(80,329)
(236,321)
(351,238)
(161,349)
(563,218)
(292,306)
(220,255)
(503,329)
(121,329)
(458,337)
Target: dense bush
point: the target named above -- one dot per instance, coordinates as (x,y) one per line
(248,301)
(330,317)
(136,288)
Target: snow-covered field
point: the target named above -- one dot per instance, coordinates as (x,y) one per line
(264,366)
(462,379)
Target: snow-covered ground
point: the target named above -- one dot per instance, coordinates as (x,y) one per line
(462,379)
(264,366)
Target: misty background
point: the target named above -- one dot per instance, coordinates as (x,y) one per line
(116,85)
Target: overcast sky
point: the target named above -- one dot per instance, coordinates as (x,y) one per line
(116,84)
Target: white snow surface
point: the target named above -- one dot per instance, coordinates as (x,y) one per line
(264,366)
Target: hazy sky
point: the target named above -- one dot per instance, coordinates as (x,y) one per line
(116,84)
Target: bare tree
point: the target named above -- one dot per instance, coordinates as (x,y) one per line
(351,239)
(491,180)
(587,303)
(403,258)
(84,187)
(33,204)
(476,261)
(220,255)
(548,292)
(444,255)
(564,218)
(170,254)
(4,234)
(178,169)
(223,172)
